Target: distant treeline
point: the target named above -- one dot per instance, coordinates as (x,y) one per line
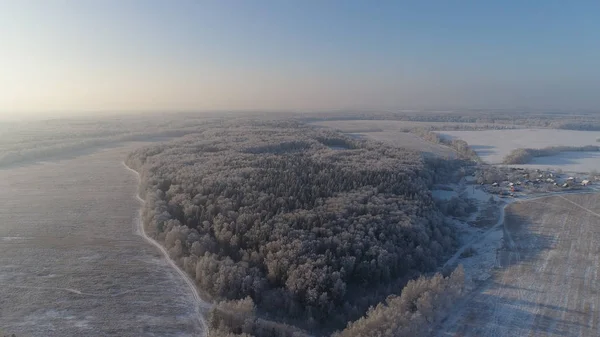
(463,127)
(308,228)
(525,155)
(590,125)
(460,146)
(490,119)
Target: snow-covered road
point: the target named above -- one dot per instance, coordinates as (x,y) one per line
(193,289)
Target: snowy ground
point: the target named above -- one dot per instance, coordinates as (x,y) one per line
(71,263)
(493,145)
(547,284)
(483,241)
(480,265)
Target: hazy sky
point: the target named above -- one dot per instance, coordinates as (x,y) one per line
(297,55)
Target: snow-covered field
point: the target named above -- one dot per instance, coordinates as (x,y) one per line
(493,145)
(71,263)
(547,285)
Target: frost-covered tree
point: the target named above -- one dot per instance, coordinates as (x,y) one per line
(311,224)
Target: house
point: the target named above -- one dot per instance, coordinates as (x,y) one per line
(585,182)
(495,184)
(565,185)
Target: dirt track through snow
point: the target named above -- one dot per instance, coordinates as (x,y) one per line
(547,284)
(184,276)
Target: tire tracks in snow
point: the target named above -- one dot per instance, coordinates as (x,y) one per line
(79,292)
(578,205)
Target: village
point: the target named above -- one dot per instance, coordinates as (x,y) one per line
(516,182)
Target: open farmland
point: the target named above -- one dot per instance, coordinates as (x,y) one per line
(546,285)
(493,145)
(72,259)
(394,133)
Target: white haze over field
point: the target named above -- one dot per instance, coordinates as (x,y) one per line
(26,141)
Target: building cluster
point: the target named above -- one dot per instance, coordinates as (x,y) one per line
(530,181)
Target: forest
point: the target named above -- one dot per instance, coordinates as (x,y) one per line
(489,119)
(462,148)
(526,155)
(294,228)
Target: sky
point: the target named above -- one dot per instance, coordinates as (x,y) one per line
(84,56)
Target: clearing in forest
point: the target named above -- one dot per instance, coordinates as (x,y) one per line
(394,133)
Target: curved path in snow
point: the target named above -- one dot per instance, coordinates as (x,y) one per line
(199,302)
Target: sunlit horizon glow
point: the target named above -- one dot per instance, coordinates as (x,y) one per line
(90,56)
